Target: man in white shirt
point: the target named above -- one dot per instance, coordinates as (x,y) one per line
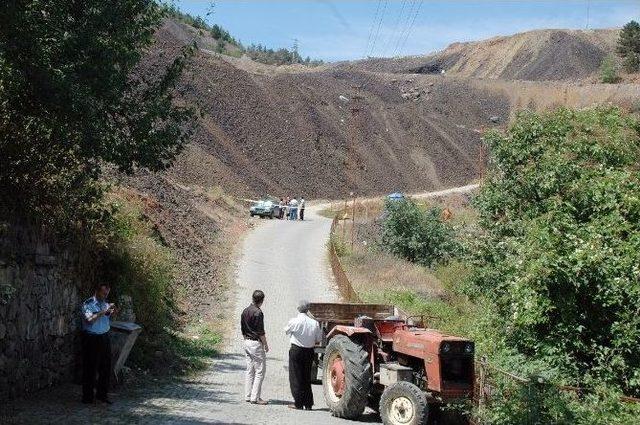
(301,208)
(293,209)
(305,332)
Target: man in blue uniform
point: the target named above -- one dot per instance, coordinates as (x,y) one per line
(96,348)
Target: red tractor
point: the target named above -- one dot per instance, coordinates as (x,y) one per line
(377,356)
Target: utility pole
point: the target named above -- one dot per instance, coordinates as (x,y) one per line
(588,10)
(353,218)
(481,159)
(352,136)
(351,162)
(344,220)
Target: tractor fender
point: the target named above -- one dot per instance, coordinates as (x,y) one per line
(348,331)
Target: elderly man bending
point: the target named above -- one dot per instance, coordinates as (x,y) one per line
(304,332)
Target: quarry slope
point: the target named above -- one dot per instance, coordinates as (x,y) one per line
(295,130)
(538,55)
(268,130)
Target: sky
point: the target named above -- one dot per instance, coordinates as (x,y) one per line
(334,30)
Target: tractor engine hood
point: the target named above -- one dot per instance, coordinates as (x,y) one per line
(448,360)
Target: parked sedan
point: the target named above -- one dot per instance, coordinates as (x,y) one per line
(265,208)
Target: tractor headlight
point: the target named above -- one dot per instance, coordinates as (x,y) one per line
(468,348)
(445,347)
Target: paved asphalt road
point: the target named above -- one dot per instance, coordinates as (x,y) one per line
(288,261)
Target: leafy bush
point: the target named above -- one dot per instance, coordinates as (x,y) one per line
(560,253)
(139,265)
(629,46)
(416,234)
(609,71)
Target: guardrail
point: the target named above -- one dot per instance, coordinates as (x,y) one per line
(344,285)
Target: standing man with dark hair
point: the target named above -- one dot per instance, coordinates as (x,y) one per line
(305,332)
(96,348)
(255,348)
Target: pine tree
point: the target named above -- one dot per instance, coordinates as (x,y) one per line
(629,46)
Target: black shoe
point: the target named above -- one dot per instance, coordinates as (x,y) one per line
(87,401)
(104,400)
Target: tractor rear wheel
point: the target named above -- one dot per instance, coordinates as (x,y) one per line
(346,377)
(403,403)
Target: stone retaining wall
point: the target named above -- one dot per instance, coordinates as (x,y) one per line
(41,287)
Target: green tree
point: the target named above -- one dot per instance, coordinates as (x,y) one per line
(559,258)
(416,234)
(75,98)
(629,46)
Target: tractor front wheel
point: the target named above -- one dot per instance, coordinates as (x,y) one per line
(403,403)
(346,377)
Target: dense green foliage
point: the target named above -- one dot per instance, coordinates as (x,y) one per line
(137,264)
(257,52)
(629,46)
(559,259)
(71,102)
(609,71)
(220,33)
(417,234)
(280,56)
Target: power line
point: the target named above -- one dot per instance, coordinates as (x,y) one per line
(373,23)
(395,28)
(413,21)
(405,31)
(375,38)
(406,27)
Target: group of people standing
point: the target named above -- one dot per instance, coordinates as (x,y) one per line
(303,331)
(292,208)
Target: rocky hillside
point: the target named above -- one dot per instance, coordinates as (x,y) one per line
(291,130)
(534,55)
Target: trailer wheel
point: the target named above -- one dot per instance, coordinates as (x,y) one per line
(403,403)
(346,377)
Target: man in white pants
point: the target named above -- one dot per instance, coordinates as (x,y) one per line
(255,348)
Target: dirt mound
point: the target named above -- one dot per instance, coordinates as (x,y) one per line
(292,131)
(533,55)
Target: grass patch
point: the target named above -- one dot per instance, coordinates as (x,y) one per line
(328,212)
(195,347)
(451,316)
(339,245)
(217,193)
